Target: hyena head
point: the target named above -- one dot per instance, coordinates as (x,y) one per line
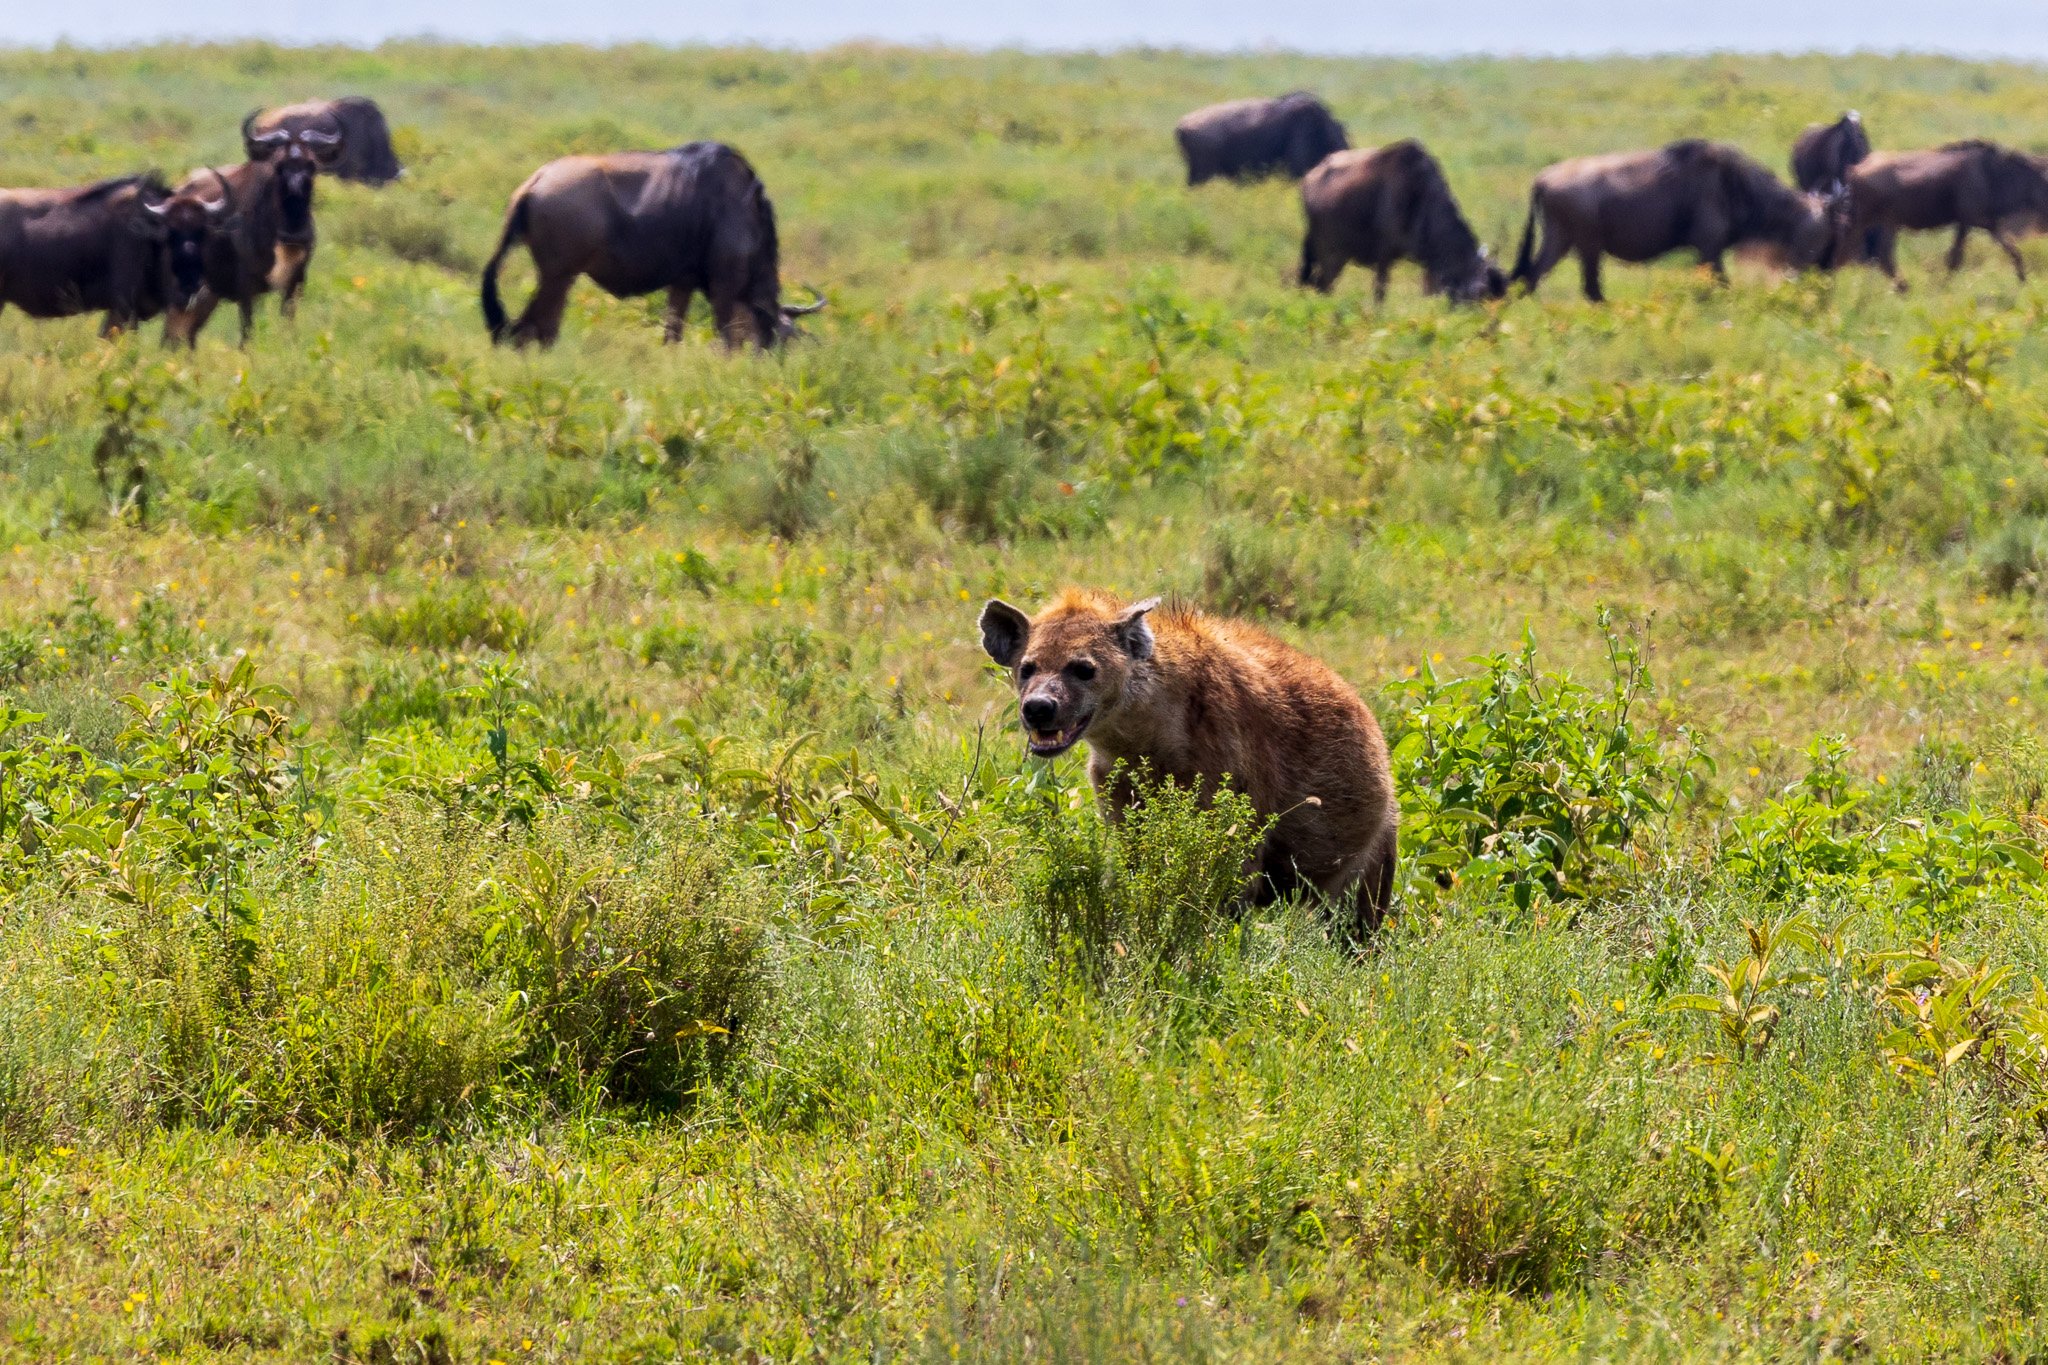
(1071,665)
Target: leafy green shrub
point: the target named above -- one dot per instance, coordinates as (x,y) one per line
(639,968)
(467,617)
(1926,865)
(1532,780)
(1145,893)
(1802,840)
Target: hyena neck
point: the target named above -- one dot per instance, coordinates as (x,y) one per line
(1149,724)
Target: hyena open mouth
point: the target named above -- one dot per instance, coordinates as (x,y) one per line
(1053,743)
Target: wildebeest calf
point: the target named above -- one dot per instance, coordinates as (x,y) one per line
(1380,205)
(1174,695)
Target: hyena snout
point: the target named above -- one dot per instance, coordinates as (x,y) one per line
(1040,712)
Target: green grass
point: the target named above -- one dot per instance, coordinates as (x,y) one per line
(607,914)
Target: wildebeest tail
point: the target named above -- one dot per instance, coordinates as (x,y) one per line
(1525,255)
(515,229)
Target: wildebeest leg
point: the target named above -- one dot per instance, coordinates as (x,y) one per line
(186,325)
(288,274)
(1380,273)
(678,311)
(1319,271)
(735,315)
(248,309)
(1887,256)
(1955,248)
(1717,265)
(1589,273)
(1554,249)
(541,320)
(2012,252)
(288,302)
(732,321)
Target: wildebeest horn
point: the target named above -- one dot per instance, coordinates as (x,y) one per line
(796,311)
(324,139)
(159,208)
(272,138)
(227,194)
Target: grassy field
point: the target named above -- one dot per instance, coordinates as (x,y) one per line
(517,857)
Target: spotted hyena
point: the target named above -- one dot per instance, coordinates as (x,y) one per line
(1198,699)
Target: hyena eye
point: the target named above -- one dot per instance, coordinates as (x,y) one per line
(1024,673)
(1082,672)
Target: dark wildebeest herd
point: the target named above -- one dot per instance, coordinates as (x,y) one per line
(1390,204)
(696,219)
(691,220)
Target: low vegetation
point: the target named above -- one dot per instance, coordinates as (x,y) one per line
(520,857)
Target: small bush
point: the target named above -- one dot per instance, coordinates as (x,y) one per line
(993,485)
(368,1012)
(1533,780)
(1146,893)
(2015,557)
(639,967)
(1300,578)
(464,618)
(409,234)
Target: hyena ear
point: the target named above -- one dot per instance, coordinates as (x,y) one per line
(1004,630)
(1131,631)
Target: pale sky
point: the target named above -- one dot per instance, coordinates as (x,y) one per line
(2015,29)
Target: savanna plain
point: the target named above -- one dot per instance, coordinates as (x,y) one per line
(520,856)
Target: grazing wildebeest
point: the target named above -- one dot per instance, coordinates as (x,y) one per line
(126,246)
(262,246)
(1636,206)
(1380,205)
(694,219)
(1250,139)
(363,152)
(1823,154)
(1964,185)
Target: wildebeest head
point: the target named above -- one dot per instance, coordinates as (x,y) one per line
(1813,239)
(786,328)
(1480,278)
(1798,225)
(183,222)
(320,142)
